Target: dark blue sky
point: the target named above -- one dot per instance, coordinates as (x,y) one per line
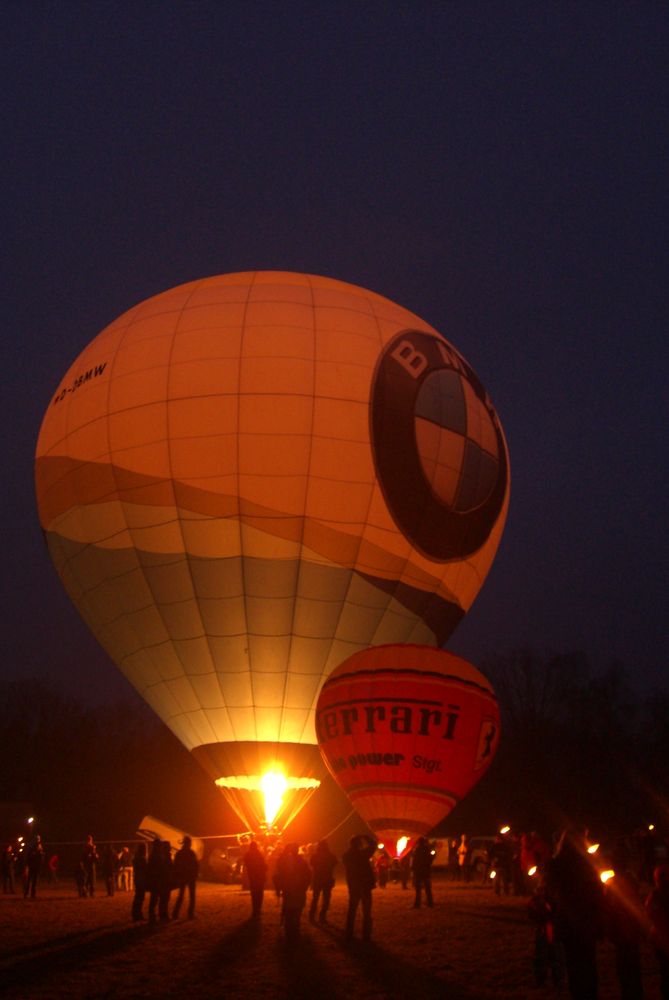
(500,169)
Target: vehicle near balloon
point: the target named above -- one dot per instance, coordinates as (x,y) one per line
(246,479)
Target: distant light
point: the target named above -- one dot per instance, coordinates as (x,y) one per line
(20,839)
(380,846)
(493,874)
(608,874)
(593,848)
(31,819)
(505,829)
(532,871)
(651,826)
(433,852)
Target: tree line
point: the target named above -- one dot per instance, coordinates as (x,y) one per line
(577,745)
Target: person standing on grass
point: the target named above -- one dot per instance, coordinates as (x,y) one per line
(186,868)
(657,908)
(139,878)
(108,868)
(90,859)
(34,858)
(575,893)
(255,867)
(159,880)
(421,866)
(8,861)
(323,863)
(360,881)
(293,878)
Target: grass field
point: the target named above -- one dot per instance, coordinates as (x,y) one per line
(471,945)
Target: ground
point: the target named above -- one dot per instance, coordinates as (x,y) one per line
(472,946)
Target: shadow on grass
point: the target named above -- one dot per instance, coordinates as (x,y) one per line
(395,977)
(62,955)
(306,974)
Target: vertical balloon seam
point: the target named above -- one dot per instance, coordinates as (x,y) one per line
(300,555)
(242,562)
(163,683)
(187,559)
(80,503)
(361,537)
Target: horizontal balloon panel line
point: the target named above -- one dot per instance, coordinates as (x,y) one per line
(431,793)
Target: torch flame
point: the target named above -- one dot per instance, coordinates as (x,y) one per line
(273,785)
(607,875)
(401,844)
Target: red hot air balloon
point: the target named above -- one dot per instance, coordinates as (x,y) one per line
(406,731)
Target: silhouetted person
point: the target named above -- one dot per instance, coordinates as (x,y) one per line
(159,880)
(547,953)
(7,861)
(624,923)
(33,865)
(185,871)
(108,864)
(124,870)
(323,863)
(657,908)
(405,870)
(421,866)
(80,879)
(360,881)
(463,859)
(293,878)
(382,868)
(255,867)
(139,877)
(89,859)
(574,891)
(502,863)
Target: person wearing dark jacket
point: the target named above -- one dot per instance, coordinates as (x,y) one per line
(108,868)
(360,881)
(625,926)
(139,876)
(323,863)
(574,891)
(33,865)
(255,867)
(421,866)
(185,870)
(90,859)
(159,880)
(657,908)
(293,878)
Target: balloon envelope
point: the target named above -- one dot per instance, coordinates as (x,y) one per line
(247,478)
(406,731)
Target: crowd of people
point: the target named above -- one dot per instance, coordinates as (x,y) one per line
(574,900)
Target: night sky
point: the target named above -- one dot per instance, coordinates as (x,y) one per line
(499,169)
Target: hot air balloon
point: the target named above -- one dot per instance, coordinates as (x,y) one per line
(247,478)
(406,731)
